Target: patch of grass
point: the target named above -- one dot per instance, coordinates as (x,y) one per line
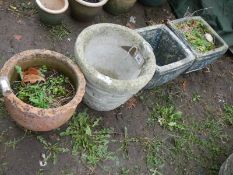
(194,32)
(59,32)
(124,171)
(167,117)
(196,97)
(228,114)
(52,149)
(91,143)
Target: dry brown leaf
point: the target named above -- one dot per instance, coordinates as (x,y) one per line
(184,85)
(32,79)
(131,103)
(18,37)
(31,71)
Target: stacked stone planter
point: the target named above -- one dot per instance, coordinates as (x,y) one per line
(172,56)
(201,59)
(112,75)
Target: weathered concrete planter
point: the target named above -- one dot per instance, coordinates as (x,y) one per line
(117,7)
(227,166)
(113,76)
(202,59)
(85,11)
(38,119)
(152,2)
(51,11)
(172,56)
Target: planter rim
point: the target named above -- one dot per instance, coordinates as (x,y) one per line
(89,4)
(107,82)
(189,55)
(80,90)
(62,10)
(223,45)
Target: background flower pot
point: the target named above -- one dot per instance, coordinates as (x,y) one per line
(51,12)
(117,7)
(85,11)
(152,2)
(113,76)
(202,59)
(38,119)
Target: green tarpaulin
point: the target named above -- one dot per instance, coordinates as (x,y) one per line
(218,13)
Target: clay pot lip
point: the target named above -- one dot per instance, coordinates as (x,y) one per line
(89,4)
(62,10)
(80,90)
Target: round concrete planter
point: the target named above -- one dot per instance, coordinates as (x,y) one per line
(38,119)
(85,11)
(112,75)
(117,7)
(227,166)
(51,12)
(152,3)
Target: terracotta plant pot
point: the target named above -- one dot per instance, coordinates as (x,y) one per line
(51,12)
(85,11)
(152,3)
(117,7)
(38,119)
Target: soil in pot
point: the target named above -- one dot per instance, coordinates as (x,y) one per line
(43,87)
(92,1)
(197,35)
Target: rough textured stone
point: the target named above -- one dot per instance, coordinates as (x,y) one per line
(172,56)
(227,167)
(38,119)
(112,77)
(202,59)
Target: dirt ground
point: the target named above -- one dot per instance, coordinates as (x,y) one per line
(200,96)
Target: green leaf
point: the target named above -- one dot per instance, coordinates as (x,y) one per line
(19,71)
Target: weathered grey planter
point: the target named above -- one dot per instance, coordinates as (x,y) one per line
(117,7)
(51,12)
(112,75)
(172,56)
(202,59)
(227,166)
(85,11)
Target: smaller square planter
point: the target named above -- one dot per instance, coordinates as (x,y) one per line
(202,59)
(172,56)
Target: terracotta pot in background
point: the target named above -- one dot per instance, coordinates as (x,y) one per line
(85,11)
(51,12)
(38,119)
(117,7)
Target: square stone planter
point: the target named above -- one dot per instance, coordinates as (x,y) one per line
(202,59)
(172,56)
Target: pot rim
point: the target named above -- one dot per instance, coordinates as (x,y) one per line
(62,10)
(80,90)
(89,4)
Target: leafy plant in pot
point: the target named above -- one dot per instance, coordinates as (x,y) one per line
(117,7)
(85,10)
(39,78)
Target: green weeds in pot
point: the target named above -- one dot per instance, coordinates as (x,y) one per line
(52,149)
(194,32)
(54,92)
(91,143)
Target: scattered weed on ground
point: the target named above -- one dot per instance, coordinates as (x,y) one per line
(52,149)
(92,144)
(196,97)
(228,114)
(59,32)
